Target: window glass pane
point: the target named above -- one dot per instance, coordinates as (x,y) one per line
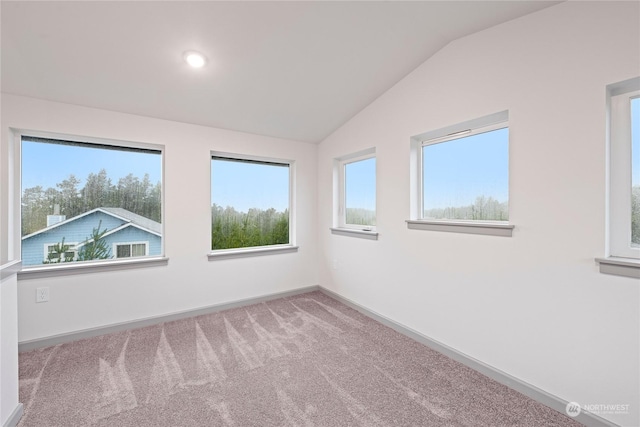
(635,172)
(90,194)
(249,203)
(138,249)
(467,178)
(360,192)
(124,251)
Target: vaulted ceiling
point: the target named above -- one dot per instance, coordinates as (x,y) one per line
(292,69)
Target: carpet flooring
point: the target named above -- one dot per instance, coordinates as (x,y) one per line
(305,360)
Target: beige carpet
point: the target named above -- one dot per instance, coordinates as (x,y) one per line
(305,361)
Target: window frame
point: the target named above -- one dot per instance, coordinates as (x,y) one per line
(417,221)
(620,170)
(216,254)
(15,214)
(130,244)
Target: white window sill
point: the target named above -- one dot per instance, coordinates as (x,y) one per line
(468,227)
(249,252)
(352,232)
(65,269)
(9,269)
(627,267)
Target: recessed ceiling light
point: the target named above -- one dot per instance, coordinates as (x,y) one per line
(195,59)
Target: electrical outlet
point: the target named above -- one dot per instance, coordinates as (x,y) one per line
(42,294)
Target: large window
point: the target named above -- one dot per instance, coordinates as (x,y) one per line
(460,177)
(358,192)
(250,202)
(466,176)
(86,200)
(625,171)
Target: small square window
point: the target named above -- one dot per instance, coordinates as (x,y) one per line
(466,177)
(459,179)
(250,202)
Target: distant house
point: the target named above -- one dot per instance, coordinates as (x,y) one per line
(128,235)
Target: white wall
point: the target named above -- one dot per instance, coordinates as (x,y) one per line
(533,305)
(189,281)
(8,346)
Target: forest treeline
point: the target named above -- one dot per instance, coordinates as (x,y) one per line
(360,216)
(483,208)
(135,194)
(257,227)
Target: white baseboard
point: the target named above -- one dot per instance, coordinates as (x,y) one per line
(15,416)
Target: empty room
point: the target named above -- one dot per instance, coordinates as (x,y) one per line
(319,213)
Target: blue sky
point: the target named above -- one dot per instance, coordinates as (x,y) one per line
(249,185)
(360,184)
(458,171)
(47,164)
(635,141)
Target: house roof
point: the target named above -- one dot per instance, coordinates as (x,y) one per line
(138,220)
(127,216)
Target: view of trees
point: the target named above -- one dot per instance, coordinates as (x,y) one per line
(233,229)
(484,208)
(137,195)
(360,216)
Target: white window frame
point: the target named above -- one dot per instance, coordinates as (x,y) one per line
(620,177)
(63,269)
(73,247)
(130,244)
(340,226)
(219,254)
(416,219)
(620,258)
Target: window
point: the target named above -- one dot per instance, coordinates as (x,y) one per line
(355,195)
(358,199)
(86,199)
(250,202)
(129,250)
(60,252)
(460,177)
(624,171)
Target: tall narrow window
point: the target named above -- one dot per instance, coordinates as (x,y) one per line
(465,176)
(635,172)
(81,199)
(250,202)
(360,193)
(355,195)
(624,190)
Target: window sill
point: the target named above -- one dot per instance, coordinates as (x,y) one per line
(89,267)
(486,228)
(250,252)
(627,267)
(9,269)
(351,232)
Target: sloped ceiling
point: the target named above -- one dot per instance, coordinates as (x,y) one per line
(295,70)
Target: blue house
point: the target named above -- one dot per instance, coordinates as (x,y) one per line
(128,235)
